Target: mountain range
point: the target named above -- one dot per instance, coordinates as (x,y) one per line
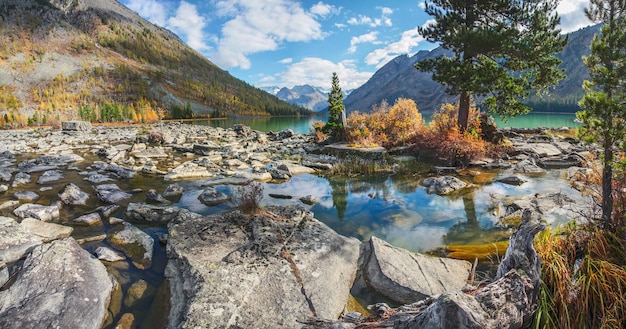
(399,78)
(98,60)
(307,96)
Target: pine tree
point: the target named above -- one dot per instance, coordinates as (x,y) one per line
(604,109)
(335,104)
(502,50)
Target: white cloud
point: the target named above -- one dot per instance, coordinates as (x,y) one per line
(373,22)
(573,15)
(257,26)
(151,10)
(318,72)
(286,60)
(324,10)
(189,23)
(340,25)
(369,37)
(422,5)
(409,40)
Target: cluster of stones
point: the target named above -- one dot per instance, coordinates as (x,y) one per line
(280,266)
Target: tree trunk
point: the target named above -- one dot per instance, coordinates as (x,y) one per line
(607,183)
(464,105)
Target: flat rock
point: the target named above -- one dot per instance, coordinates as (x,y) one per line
(152,152)
(528,166)
(45,231)
(73,195)
(15,241)
(28,196)
(88,219)
(49,176)
(21,178)
(60,285)
(155,213)
(512,180)
(111,193)
(295,169)
(188,169)
(540,149)
(407,277)
(231,270)
(108,254)
(212,197)
(443,185)
(37,211)
(136,245)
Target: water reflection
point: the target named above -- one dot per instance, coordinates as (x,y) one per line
(397,209)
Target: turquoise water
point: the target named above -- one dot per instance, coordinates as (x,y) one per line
(302,125)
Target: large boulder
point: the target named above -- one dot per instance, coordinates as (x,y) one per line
(136,245)
(76,125)
(60,285)
(407,277)
(263,270)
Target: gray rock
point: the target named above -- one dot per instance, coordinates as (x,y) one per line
(233,270)
(120,171)
(49,162)
(76,126)
(4,274)
(88,219)
(153,152)
(508,302)
(206,148)
(188,169)
(173,190)
(152,196)
(108,254)
(9,204)
(155,213)
(3,188)
(309,199)
(443,185)
(111,193)
(212,197)
(528,166)
(21,178)
(407,277)
(97,178)
(5,175)
(59,284)
(49,176)
(295,169)
(136,245)
(15,241)
(512,180)
(28,196)
(539,149)
(73,195)
(37,211)
(107,211)
(45,231)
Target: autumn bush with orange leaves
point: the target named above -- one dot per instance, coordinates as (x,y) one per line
(402,125)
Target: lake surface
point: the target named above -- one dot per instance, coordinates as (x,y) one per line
(302,125)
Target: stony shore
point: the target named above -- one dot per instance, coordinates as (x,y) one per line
(278,267)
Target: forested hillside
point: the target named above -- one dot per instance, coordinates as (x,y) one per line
(98,60)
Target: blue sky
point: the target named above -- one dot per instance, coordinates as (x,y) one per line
(292,42)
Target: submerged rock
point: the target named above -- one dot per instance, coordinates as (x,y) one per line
(212,197)
(443,185)
(59,285)
(136,244)
(264,270)
(28,196)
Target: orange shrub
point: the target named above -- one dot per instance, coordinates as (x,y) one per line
(385,126)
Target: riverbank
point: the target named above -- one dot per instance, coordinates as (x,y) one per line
(114,187)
